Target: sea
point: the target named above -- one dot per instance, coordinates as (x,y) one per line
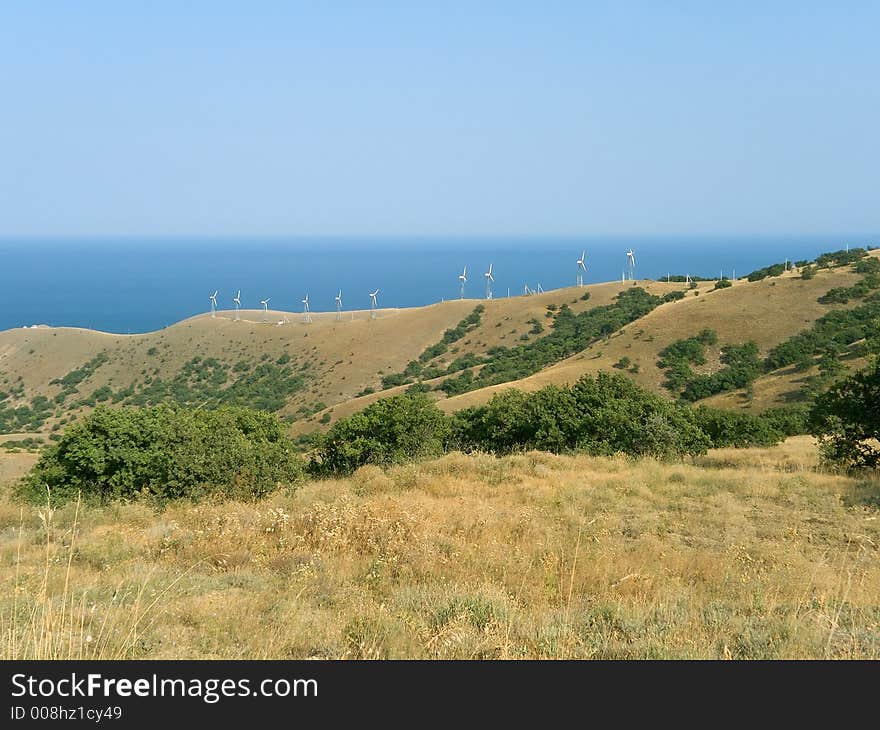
(132,285)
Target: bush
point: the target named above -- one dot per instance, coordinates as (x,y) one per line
(390,431)
(729,428)
(793,420)
(847,420)
(168,452)
(742,366)
(602,415)
(722,284)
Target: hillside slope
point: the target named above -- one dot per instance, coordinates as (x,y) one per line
(767,312)
(307,366)
(312,374)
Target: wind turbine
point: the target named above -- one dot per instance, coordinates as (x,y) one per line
(213,299)
(339,306)
(237,300)
(526,291)
(307,315)
(631,263)
(581,268)
(373,304)
(462,279)
(265,303)
(489,281)
(540,289)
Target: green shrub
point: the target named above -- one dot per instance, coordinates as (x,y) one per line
(729,428)
(390,431)
(602,415)
(847,420)
(742,366)
(168,452)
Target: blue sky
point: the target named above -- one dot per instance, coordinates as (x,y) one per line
(438,118)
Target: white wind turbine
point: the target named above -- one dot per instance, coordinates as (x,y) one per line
(462,280)
(373,303)
(265,303)
(339,306)
(237,300)
(540,289)
(631,263)
(307,315)
(213,299)
(526,291)
(581,268)
(489,281)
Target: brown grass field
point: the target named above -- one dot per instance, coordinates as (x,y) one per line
(752,553)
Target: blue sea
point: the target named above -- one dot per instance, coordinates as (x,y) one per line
(131,285)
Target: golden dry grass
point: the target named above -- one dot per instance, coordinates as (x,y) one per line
(740,554)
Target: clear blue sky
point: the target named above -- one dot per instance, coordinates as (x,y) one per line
(473,118)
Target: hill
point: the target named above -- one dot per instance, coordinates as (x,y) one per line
(296,369)
(766,312)
(312,374)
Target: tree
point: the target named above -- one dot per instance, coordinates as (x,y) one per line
(846,420)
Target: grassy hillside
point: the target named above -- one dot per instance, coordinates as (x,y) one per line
(738,554)
(313,374)
(767,312)
(309,367)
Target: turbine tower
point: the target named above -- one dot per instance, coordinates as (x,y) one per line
(489,281)
(631,263)
(237,300)
(581,268)
(213,299)
(462,280)
(265,303)
(339,306)
(307,315)
(373,303)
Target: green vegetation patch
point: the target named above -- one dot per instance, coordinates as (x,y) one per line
(571,333)
(416,368)
(165,452)
(847,420)
(209,383)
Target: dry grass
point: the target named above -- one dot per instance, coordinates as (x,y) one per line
(47,616)
(744,554)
